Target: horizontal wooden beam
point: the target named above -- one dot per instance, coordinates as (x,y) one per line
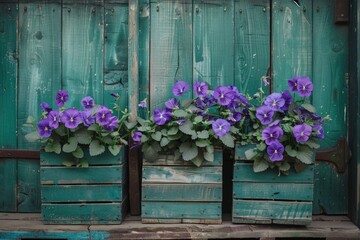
(19,153)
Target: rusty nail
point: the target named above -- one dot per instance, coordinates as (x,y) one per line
(157,8)
(141,9)
(304,9)
(9,9)
(264,9)
(25,9)
(113,10)
(69,9)
(197,10)
(240,11)
(93,10)
(224,9)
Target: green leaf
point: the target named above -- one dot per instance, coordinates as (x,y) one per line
(203,134)
(164,141)
(284,167)
(198,161)
(173,130)
(202,143)
(144,138)
(78,153)
(305,155)
(68,163)
(312,144)
(210,148)
(180,113)
(156,136)
(96,148)
(115,149)
(71,145)
(260,165)
(93,127)
(176,136)
(290,151)
(309,107)
(286,128)
(61,130)
(250,153)
(209,156)
(84,136)
(299,166)
(130,125)
(198,119)
(228,140)
(261,146)
(189,151)
(83,163)
(32,136)
(187,127)
(151,151)
(53,147)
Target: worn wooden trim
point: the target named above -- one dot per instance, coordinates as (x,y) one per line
(20,153)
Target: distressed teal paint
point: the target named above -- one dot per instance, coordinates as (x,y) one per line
(170,49)
(8,96)
(252,44)
(98,235)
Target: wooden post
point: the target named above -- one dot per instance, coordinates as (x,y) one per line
(134,178)
(354,111)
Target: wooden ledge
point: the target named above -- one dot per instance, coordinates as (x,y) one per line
(22,225)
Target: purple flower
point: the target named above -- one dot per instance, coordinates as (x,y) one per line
(87,102)
(221,127)
(142,104)
(275,123)
(293,84)
(304,86)
(136,137)
(266,81)
(288,100)
(234,117)
(87,118)
(45,107)
(272,134)
(54,119)
(161,116)
(44,128)
(180,88)
(264,114)
(201,89)
(112,124)
(172,104)
(71,118)
(275,151)
(319,131)
(103,115)
(61,97)
(180,121)
(223,95)
(115,95)
(275,101)
(302,132)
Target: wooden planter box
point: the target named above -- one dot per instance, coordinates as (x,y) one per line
(267,198)
(179,192)
(93,195)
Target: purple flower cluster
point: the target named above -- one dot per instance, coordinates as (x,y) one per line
(71,118)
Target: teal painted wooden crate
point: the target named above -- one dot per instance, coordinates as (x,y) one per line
(179,192)
(94,195)
(267,198)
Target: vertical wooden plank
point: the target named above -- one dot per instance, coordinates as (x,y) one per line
(354,111)
(291,41)
(116,52)
(134,168)
(330,65)
(82,50)
(252,44)
(39,79)
(170,48)
(8,96)
(214,42)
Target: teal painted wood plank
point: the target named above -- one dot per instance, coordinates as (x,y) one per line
(181,192)
(144,53)
(153,174)
(244,172)
(241,149)
(170,49)
(266,211)
(73,175)
(188,210)
(330,95)
(81,193)
(82,51)
(292,26)
(53,159)
(82,213)
(116,53)
(278,191)
(53,235)
(213,43)
(168,160)
(252,44)
(8,96)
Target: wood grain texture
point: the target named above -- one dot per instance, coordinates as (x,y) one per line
(8,96)
(82,51)
(330,64)
(213,42)
(292,26)
(252,44)
(170,48)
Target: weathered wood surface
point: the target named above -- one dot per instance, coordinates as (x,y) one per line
(29,226)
